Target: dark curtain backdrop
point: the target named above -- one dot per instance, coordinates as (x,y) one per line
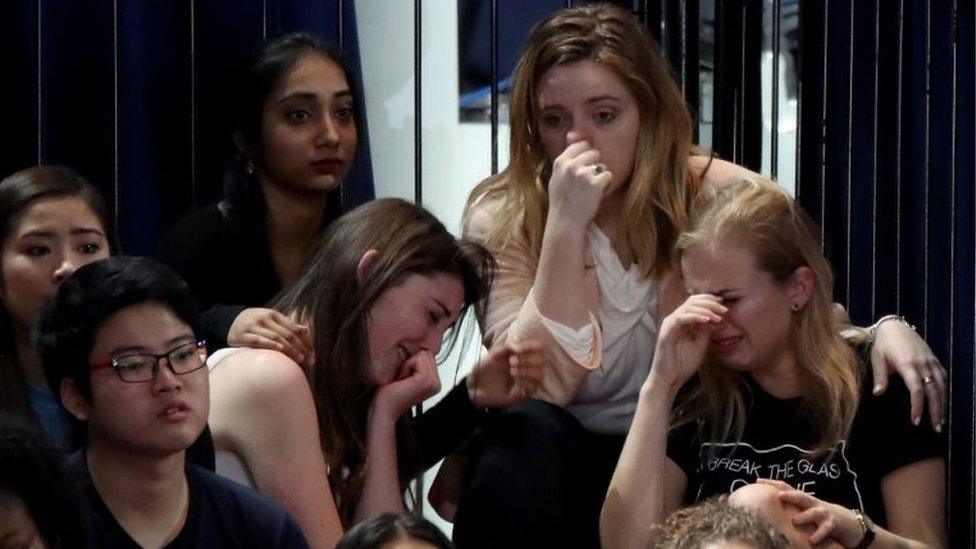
(135,94)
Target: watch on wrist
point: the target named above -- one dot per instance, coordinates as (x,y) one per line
(869,534)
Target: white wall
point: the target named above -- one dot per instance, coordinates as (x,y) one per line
(455,156)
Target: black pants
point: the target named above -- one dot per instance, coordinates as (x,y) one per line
(538,481)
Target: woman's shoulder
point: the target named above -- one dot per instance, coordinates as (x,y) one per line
(716,173)
(260,374)
(482,210)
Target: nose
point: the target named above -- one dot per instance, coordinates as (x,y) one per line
(327,135)
(65,268)
(432,343)
(166,380)
(575,135)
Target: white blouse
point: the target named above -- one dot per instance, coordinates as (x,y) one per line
(607,399)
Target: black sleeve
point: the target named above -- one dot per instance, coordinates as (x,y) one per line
(194,247)
(215,324)
(890,436)
(442,429)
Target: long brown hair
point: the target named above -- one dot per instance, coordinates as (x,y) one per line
(662,187)
(783,238)
(18,192)
(409,240)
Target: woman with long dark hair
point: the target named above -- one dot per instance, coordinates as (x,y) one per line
(334,443)
(295,137)
(52,221)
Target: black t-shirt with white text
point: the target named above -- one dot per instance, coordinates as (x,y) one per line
(775,443)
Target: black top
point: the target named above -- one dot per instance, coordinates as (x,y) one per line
(221,513)
(882,439)
(227,267)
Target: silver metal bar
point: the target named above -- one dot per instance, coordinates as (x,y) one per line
(193,103)
(115,114)
(925,171)
(850,147)
(874,162)
(823,127)
(264,19)
(40,89)
(898,178)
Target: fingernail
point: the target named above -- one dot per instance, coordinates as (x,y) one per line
(917,421)
(938,427)
(878,388)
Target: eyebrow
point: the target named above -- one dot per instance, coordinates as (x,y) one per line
(73,232)
(596,99)
(309,96)
(140,349)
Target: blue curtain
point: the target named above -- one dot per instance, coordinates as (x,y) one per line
(134,94)
(886,166)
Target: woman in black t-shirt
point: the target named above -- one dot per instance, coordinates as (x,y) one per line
(779,396)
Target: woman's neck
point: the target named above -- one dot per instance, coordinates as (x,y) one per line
(781,379)
(147,495)
(294,228)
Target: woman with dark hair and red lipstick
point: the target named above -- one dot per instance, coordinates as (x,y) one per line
(295,137)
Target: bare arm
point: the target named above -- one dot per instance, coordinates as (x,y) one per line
(261,404)
(914,502)
(646,485)
(381,488)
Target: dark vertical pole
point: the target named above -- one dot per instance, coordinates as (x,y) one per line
(418,195)
(115,111)
(340,24)
(774,95)
(40,89)
(494,86)
(193,104)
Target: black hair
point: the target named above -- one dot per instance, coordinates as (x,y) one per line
(18,192)
(31,470)
(270,62)
(376,531)
(67,326)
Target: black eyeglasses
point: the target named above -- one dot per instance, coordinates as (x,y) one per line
(143,367)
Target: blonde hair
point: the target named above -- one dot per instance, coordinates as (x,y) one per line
(758,213)
(662,187)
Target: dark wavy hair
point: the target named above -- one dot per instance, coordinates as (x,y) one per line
(67,327)
(244,199)
(327,295)
(379,530)
(31,470)
(18,192)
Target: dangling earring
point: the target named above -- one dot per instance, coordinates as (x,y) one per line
(249,168)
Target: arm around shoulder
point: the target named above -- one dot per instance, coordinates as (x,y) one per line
(261,404)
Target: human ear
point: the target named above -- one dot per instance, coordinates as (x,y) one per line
(73,401)
(365,266)
(801,287)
